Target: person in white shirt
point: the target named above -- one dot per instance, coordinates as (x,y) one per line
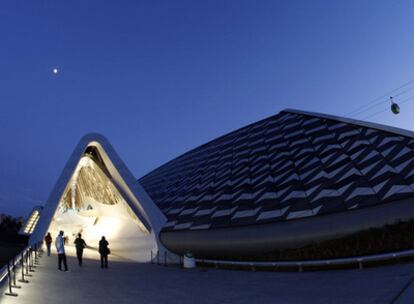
(60,247)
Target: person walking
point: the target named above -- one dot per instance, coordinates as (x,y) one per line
(79,244)
(48,241)
(60,247)
(104,251)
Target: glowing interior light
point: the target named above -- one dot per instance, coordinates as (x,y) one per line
(94,206)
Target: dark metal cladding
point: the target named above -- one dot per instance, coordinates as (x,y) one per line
(290,166)
(261,239)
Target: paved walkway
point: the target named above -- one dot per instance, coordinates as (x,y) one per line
(126,282)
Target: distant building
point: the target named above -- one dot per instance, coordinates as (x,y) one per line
(30,223)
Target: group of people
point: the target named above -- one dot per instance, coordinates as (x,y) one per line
(80,244)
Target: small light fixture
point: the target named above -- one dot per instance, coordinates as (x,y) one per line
(395,108)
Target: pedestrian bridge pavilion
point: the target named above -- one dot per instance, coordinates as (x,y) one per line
(293,186)
(295,190)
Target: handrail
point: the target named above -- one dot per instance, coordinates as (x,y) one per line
(360,260)
(26,260)
(165,258)
(162,258)
(16,259)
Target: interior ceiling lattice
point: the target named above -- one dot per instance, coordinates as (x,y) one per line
(91,182)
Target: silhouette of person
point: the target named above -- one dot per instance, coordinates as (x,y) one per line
(60,247)
(79,244)
(48,241)
(104,251)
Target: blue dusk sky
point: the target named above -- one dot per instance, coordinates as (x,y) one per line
(158,78)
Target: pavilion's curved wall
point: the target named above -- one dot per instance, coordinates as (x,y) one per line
(260,240)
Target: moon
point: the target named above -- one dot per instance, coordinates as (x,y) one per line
(55,71)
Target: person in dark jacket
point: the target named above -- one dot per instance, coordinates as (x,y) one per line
(48,241)
(104,251)
(79,244)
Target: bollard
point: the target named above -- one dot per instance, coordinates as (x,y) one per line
(32,266)
(14,275)
(252,268)
(27,264)
(40,250)
(30,261)
(203,265)
(10,293)
(158,257)
(22,266)
(152,262)
(165,258)
(36,256)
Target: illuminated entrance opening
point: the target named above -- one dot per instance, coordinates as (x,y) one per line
(96,195)
(93,206)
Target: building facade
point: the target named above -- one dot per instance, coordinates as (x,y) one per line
(296,184)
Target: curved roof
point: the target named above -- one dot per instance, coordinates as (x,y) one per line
(289,166)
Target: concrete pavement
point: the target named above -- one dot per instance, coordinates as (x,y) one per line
(126,282)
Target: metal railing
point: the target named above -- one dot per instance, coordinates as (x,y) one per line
(24,263)
(301,264)
(165,258)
